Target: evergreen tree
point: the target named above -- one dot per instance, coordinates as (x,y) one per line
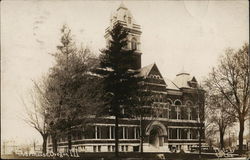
(120,82)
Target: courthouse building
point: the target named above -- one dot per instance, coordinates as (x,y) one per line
(179,125)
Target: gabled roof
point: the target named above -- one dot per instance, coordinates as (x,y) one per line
(182,80)
(144,71)
(170,84)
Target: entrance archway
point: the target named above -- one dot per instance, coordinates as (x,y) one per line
(156,132)
(155,138)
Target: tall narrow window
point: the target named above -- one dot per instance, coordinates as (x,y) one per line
(129,20)
(178,110)
(112,132)
(173,113)
(120,133)
(126,135)
(189,113)
(104,132)
(189,105)
(131,133)
(173,133)
(133,44)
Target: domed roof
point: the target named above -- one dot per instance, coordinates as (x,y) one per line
(184,80)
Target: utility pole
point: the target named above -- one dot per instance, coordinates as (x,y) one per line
(199,121)
(199,129)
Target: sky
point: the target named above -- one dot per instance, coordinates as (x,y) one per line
(176,35)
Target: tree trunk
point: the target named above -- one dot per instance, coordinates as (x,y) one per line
(199,142)
(221,140)
(45,136)
(69,141)
(54,143)
(116,137)
(241,132)
(141,135)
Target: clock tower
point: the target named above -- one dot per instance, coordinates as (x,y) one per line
(123,16)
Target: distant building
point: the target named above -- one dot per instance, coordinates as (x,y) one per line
(181,101)
(8,147)
(246,144)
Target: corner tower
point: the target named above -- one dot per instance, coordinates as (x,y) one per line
(123,16)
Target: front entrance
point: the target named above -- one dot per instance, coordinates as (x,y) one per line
(156,132)
(154,138)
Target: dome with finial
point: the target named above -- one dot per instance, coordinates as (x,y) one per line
(182,72)
(185,80)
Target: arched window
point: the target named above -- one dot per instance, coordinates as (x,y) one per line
(178,108)
(129,20)
(169,102)
(133,44)
(189,103)
(177,102)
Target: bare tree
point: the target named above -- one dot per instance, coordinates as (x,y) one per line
(218,115)
(36,112)
(231,79)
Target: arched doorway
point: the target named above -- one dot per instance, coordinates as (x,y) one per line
(155,136)
(156,132)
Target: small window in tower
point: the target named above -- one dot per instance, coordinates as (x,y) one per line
(133,44)
(129,20)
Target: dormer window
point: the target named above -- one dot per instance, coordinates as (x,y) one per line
(192,84)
